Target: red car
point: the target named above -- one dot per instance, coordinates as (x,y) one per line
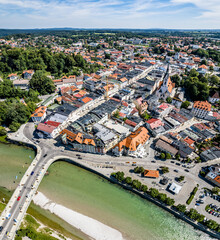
(18,198)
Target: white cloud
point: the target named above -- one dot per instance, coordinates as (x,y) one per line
(210,9)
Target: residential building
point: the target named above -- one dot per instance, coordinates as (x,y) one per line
(201,109)
(28,74)
(133,144)
(39,114)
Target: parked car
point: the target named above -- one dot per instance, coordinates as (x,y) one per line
(175,170)
(18,198)
(1,228)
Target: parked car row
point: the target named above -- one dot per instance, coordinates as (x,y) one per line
(210,211)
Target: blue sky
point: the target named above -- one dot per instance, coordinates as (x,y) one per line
(182,14)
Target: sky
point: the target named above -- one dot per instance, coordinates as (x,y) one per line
(141,14)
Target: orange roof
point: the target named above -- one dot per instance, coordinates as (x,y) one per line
(59,99)
(217,179)
(86,99)
(88,141)
(203,105)
(189,140)
(28,71)
(78,137)
(39,112)
(170,85)
(203,66)
(124,79)
(140,136)
(151,173)
(12,74)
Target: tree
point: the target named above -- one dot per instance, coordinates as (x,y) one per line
(162,197)
(193,214)
(116,114)
(154,192)
(165,169)
(169,201)
(212,224)
(169,100)
(185,104)
(215,190)
(176,79)
(168,156)
(181,208)
(214,80)
(136,184)
(42,83)
(181,178)
(3,132)
(14,126)
(200,218)
(162,156)
(146,116)
(144,188)
(128,180)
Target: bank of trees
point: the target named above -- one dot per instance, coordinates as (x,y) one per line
(18,60)
(13,113)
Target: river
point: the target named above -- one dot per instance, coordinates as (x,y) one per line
(89,194)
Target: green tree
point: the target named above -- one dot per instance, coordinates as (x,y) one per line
(214,80)
(181,208)
(168,156)
(193,214)
(215,190)
(14,126)
(162,197)
(169,201)
(185,104)
(181,178)
(165,169)
(176,79)
(212,224)
(144,188)
(136,184)
(162,156)
(169,100)
(154,192)
(3,132)
(128,180)
(42,83)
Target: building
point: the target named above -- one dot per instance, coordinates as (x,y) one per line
(174,188)
(151,173)
(39,114)
(13,76)
(28,74)
(166,147)
(48,130)
(214,98)
(201,109)
(133,144)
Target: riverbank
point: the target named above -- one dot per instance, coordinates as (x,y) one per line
(89,226)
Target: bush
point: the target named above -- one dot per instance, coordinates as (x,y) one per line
(169,100)
(181,178)
(181,208)
(192,195)
(3,132)
(165,169)
(215,190)
(168,156)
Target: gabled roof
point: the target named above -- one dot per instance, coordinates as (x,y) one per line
(151,173)
(203,105)
(39,112)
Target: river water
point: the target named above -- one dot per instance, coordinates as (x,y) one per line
(86,193)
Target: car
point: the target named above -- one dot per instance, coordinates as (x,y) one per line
(186,170)
(175,170)
(178,164)
(197,204)
(7,233)
(15,220)
(45,155)
(8,216)
(153,161)
(32,172)
(134,164)
(172,161)
(18,198)
(1,228)
(79,157)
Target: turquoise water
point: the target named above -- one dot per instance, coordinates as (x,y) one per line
(95,197)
